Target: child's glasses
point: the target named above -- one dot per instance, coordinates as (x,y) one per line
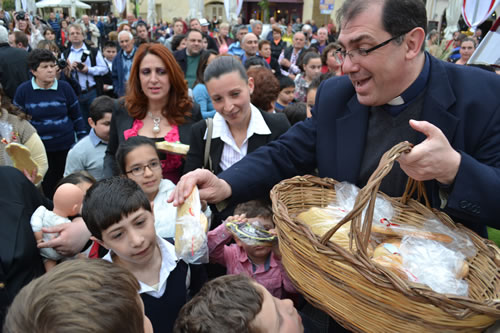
(139,170)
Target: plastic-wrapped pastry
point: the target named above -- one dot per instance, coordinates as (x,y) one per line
(191,230)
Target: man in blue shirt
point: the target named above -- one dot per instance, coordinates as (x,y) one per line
(122,63)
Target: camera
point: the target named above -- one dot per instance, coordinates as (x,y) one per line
(83,58)
(20,16)
(61,63)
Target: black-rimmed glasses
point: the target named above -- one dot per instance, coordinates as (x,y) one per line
(340,55)
(139,170)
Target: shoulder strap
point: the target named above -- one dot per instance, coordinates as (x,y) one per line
(206,156)
(93,56)
(66,53)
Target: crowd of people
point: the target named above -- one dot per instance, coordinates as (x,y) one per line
(256,103)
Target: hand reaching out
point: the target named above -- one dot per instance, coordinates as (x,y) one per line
(212,189)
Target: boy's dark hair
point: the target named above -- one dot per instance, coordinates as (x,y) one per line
(295,112)
(286,82)
(37,56)
(226,304)
(255,61)
(318,79)
(76,178)
(255,208)
(100,106)
(110,43)
(110,200)
(73,296)
(224,65)
(127,146)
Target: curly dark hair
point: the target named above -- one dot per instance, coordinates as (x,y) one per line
(266,88)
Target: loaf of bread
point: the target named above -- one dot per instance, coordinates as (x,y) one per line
(191,227)
(173,147)
(320,220)
(401,232)
(388,255)
(21,156)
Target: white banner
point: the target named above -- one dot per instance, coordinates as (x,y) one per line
(233,10)
(476,12)
(151,18)
(452,17)
(120,5)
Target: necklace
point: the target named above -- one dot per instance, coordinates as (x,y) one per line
(156,123)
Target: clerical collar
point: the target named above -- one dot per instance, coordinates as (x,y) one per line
(398,104)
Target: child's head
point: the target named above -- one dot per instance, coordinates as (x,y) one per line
(100,113)
(313,88)
(235,303)
(265,48)
(111,201)
(257,211)
(109,50)
(311,65)
(295,112)
(287,90)
(138,160)
(229,88)
(82,179)
(73,297)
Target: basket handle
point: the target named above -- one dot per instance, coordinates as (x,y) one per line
(367,196)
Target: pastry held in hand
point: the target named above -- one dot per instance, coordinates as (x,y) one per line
(21,156)
(191,230)
(173,147)
(251,234)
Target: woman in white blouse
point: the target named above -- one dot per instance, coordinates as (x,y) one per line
(238,126)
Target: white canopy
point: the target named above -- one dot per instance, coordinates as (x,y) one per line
(73,4)
(62,3)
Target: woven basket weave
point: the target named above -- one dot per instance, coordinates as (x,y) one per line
(360,294)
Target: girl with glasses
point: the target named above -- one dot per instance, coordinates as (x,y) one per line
(139,161)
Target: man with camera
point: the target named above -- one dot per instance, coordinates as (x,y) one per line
(87,67)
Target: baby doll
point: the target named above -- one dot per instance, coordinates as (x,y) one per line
(68,200)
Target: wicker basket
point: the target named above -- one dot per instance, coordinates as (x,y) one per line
(358,293)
